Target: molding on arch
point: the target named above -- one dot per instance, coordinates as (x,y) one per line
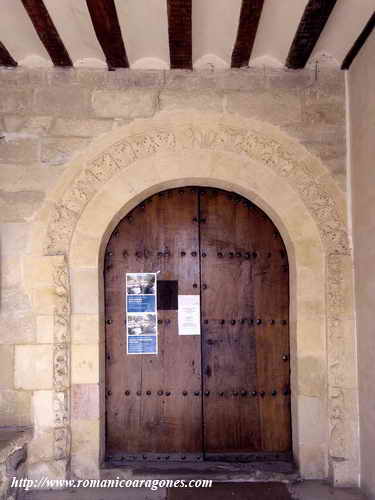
(260,162)
(173,132)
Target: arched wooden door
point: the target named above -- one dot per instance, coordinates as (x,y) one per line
(220,395)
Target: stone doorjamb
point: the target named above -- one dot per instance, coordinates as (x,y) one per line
(257,161)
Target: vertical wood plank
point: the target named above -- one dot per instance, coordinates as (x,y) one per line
(5,58)
(108,32)
(47,32)
(151,421)
(180,33)
(246,274)
(231,413)
(251,10)
(313,20)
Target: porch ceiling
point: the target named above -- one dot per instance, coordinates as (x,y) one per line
(162,34)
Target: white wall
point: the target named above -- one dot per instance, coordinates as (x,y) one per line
(362,122)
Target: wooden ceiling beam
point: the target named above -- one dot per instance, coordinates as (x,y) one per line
(47,32)
(251,11)
(180,33)
(5,58)
(358,44)
(108,32)
(314,19)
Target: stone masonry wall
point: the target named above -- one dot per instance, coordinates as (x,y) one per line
(47,116)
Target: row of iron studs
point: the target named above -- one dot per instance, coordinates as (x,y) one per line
(243,393)
(223,322)
(183,253)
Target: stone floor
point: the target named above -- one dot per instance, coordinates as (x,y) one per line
(307,490)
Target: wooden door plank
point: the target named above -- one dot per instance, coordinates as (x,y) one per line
(251,10)
(247,287)
(151,421)
(180,33)
(5,58)
(108,32)
(231,413)
(271,285)
(313,20)
(47,32)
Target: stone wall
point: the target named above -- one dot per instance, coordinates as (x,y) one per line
(47,117)
(362,122)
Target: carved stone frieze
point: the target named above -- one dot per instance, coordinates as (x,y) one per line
(300,171)
(337,442)
(336,354)
(61,362)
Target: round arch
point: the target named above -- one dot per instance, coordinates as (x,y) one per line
(259,162)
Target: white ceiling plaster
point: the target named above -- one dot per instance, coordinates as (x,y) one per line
(144,26)
(215,24)
(17,33)
(211,61)
(150,63)
(73,22)
(277,27)
(35,61)
(344,25)
(266,61)
(90,62)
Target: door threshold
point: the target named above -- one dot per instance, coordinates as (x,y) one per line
(217,471)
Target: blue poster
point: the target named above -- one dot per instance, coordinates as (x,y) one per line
(141,303)
(141,313)
(142,344)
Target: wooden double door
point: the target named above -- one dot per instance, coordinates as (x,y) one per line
(220,395)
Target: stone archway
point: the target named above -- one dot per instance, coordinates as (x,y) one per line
(262,164)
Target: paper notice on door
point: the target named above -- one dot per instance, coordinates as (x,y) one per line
(141,313)
(189,315)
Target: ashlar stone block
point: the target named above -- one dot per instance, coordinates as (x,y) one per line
(209,100)
(43,409)
(63,100)
(85,401)
(15,100)
(6,366)
(57,151)
(44,329)
(15,408)
(68,127)
(20,205)
(85,328)
(19,149)
(85,364)
(129,103)
(33,367)
(272,105)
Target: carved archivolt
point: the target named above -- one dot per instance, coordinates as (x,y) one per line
(251,139)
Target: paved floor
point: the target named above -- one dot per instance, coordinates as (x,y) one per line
(307,490)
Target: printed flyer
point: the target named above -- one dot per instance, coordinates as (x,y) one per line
(189,319)
(141,313)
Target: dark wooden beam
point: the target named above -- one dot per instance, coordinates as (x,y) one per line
(251,11)
(314,19)
(180,33)
(108,32)
(47,32)
(5,58)
(358,44)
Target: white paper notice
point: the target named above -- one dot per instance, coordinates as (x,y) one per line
(189,315)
